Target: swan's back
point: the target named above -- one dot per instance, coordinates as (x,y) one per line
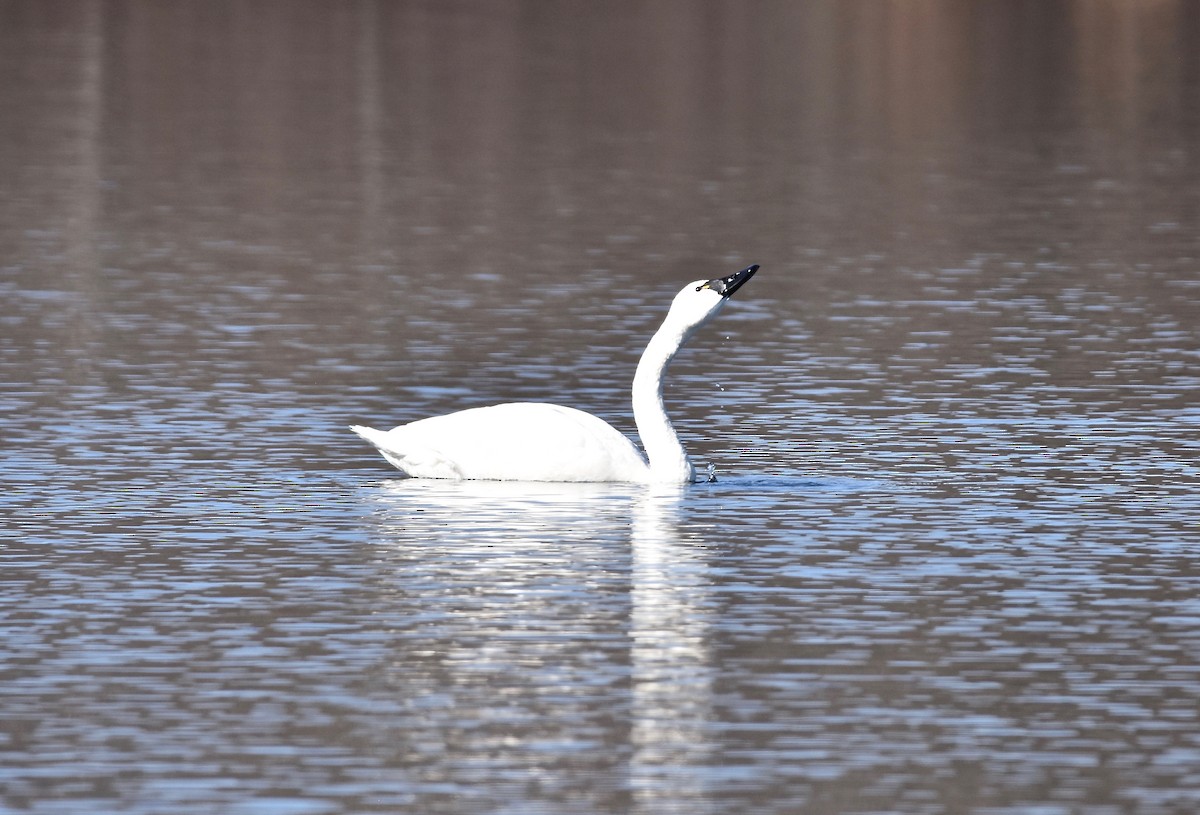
(518,441)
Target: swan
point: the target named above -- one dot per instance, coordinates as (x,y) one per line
(533,441)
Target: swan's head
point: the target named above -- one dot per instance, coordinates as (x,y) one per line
(700,300)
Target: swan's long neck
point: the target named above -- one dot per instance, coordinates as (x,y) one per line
(668,461)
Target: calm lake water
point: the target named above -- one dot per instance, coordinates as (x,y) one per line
(950,563)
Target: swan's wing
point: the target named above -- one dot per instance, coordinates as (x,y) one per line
(521,441)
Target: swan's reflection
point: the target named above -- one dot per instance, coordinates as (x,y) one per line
(672,663)
(526,611)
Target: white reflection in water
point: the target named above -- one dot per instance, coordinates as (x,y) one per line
(542,601)
(672,660)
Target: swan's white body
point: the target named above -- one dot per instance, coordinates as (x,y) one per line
(531,441)
(518,441)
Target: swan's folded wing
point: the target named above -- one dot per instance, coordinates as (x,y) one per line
(523,441)
(423,463)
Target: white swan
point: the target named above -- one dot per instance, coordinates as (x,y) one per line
(531,441)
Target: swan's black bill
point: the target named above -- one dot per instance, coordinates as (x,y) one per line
(726,286)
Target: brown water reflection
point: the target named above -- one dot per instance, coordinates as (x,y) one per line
(949,565)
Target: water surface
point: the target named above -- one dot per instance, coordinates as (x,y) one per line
(949,561)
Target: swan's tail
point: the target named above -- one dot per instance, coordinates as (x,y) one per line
(378,440)
(372,435)
(413,461)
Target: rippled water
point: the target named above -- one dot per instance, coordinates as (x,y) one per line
(950,561)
